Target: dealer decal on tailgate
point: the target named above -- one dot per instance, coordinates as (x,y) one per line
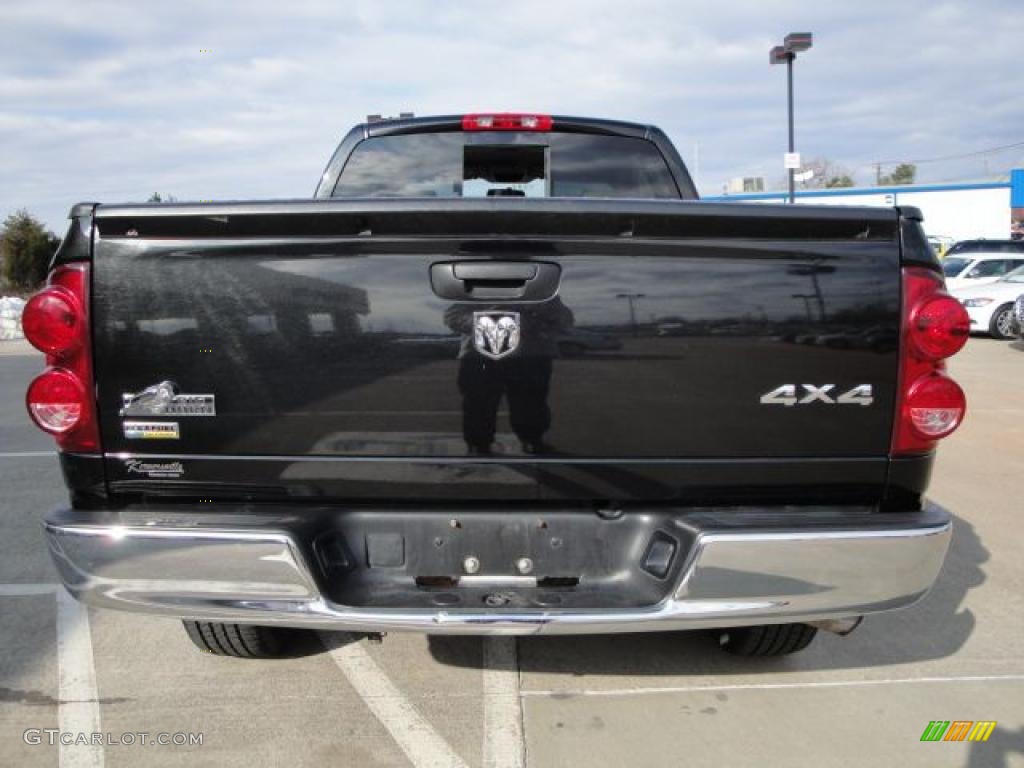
(155,469)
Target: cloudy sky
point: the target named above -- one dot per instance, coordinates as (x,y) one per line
(113,101)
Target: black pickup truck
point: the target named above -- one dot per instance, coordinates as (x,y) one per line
(504,374)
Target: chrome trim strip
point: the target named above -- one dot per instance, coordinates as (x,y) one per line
(206,569)
(123,456)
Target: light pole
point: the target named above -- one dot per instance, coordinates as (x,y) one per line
(795,42)
(812,270)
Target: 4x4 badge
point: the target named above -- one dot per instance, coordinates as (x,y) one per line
(788,395)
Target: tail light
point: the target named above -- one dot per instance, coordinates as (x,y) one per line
(56,321)
(930,405)
(939,326)
(506,121)
(52,320)
(56,401)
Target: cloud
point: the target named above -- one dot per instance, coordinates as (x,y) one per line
(100,101)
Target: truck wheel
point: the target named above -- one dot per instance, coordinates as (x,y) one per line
(1002,323)
(242,641)
(767,640)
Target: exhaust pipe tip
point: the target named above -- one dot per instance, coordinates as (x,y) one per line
(841,627)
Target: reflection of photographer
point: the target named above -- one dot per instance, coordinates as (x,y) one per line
(523,377)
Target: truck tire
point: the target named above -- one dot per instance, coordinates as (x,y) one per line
(767,639)
(1002,324)
(242,641)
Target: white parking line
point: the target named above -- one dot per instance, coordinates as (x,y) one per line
(774,686)
(415,737)
(503,714)
(20,590)
(79,710)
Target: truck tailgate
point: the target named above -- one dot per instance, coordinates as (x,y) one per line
(644,350)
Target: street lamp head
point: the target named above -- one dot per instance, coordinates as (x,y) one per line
(778,55)
(798,42)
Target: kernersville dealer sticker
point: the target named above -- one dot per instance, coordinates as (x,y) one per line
(154,469)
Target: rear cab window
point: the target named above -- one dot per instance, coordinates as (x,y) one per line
(506,164)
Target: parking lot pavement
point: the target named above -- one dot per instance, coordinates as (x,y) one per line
(18,364)
(645,700)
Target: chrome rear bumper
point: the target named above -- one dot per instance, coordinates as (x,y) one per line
(247,570)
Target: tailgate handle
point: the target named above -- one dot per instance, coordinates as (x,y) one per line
(489,271)
(495,280)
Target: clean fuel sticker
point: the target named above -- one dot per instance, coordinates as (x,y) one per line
(151,430)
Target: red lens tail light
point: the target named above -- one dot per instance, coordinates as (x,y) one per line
(930,405)
(939,326)
(56,321)
(52,321)
(506,121)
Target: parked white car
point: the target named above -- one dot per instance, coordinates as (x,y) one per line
(991,306)
(978,262)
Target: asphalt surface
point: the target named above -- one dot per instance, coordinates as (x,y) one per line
(644,700)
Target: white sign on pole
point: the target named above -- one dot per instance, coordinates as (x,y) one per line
(791,160)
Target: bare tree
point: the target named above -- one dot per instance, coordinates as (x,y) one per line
(826,174)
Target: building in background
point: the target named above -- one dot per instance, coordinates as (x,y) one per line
(1017,204)
(958,211)
(741,184)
